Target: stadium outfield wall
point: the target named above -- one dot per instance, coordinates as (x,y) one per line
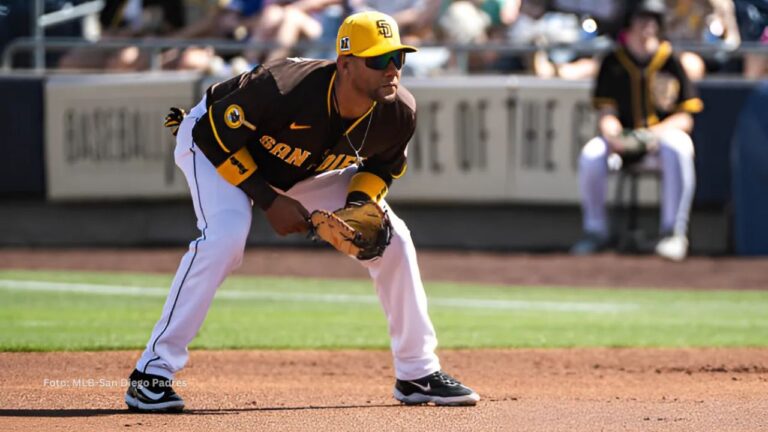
(500,149)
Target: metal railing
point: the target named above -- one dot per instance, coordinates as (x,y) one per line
(41,21)
(40,45)
(461,51)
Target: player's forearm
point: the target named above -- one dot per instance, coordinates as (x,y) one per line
(609,125)
(238,169)
(682,121)
(259,191)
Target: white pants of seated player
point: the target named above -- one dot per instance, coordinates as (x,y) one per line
(674,160)
(224,217)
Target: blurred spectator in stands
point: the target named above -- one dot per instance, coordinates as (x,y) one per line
(126,19)
(700,22)
(752,16)
(463,22)
(285,22)
(225,19)
(556,24)
(477,22)
(416,18)
(503,13)
(485,20)
(643,91)
(607,14)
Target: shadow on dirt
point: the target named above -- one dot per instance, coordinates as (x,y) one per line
(223,411)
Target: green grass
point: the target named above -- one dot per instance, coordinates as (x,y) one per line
(274,313)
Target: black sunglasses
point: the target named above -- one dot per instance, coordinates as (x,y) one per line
(381,62)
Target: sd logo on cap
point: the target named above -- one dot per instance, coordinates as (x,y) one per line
(369,34)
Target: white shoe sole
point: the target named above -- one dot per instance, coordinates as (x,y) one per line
(673,249)
(170,406)
(418,399)
(672,255)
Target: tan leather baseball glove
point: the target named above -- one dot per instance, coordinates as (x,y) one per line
(635,144)
(361,229)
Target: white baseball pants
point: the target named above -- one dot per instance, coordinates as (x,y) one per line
(224,218)
(674,160)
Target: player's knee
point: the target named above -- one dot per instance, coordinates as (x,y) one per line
(593,155)
(226,237)
(679,142)
(594,150)
(401,237)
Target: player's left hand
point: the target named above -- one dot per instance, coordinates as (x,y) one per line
(361,229)
(634,144)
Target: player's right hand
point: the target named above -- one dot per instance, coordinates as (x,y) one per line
(286,215)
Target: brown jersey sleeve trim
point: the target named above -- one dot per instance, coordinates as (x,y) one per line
(238,167)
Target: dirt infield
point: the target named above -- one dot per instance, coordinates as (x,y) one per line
(522,390)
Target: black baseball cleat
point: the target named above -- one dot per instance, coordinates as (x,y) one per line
(152,393)
(439,388)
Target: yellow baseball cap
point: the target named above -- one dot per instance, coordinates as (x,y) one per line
(369,34)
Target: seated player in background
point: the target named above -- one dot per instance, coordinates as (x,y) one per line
(644,98)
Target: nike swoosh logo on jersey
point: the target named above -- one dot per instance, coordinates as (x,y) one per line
(425,388)
(150,394)
(295,126)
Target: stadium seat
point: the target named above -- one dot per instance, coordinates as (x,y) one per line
(625,230)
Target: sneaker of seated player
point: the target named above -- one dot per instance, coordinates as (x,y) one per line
(674,247)
(438,388)
(590,244)
(151,393)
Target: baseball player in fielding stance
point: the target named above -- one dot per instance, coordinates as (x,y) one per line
(645,102)
(290,137)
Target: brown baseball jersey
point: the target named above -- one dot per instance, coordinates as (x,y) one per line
(284,114)
(644,93)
